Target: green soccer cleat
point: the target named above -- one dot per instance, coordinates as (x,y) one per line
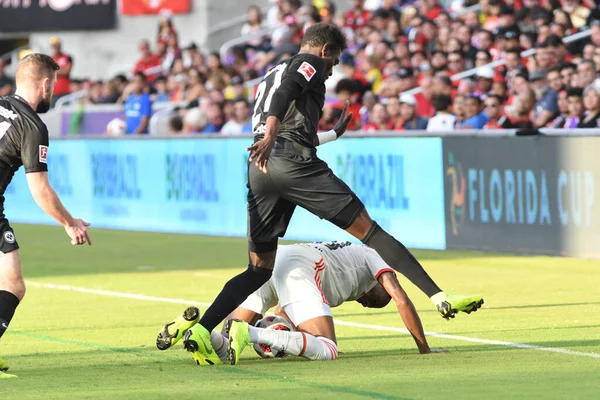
(449,305)
(174,330)
(3,365)
(4,375)
(239,338)
(197,341)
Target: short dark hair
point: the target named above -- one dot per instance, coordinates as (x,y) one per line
(141,75)
(241,100)
(553,69)
(514,50)
(495,96)
(321,33)
(442,102)
(574,92)
(176,123)
(568,65)
(36,66)
(460,53)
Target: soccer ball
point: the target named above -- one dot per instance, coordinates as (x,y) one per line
(115,127)
(272,322)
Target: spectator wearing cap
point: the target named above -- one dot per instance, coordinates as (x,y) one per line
(350,71)
(485,79)
(576,108)
(406,79)
(507,20)
(379,119)
(520,115)
(357,17)
(493,109)
(65,62)
(189,54)
(563,108)
(138,106)
(443,120)
(476,117)
(7,85)
(586,72)
(241,122)
(348,91)
(546,106)
(408,108)
(147,60)
(591,102)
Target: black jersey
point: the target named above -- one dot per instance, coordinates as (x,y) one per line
(302,117)
(23,140)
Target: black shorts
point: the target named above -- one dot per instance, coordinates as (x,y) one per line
(8,242)
(295,176)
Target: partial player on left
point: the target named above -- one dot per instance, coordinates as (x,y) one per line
(24,141)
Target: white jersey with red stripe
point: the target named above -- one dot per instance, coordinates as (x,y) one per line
(346,271)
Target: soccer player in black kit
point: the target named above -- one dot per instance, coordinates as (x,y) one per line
(284,172)
(24,141)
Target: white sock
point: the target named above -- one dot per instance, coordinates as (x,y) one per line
(220,344)
(295,343)
(438,298)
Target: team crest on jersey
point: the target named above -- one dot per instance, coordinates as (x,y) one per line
(43,154)
(307,70)
(9,237)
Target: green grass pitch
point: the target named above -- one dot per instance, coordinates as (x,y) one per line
(79,345)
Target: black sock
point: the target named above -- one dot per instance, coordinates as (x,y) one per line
(233,294)
(8,305)
(399,258)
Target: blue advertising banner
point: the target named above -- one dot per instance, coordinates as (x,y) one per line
(199,186)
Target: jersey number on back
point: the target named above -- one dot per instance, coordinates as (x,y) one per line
(275,81)
(4,128)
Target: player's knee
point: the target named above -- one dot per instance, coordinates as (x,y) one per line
(16,287)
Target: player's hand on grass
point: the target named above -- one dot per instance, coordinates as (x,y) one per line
(260,152)
(435,351)
(78,232)
(342,124)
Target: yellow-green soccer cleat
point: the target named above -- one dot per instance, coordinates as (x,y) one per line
(450,304)
(4,375)
(3,365)
(197,342)
(239,338)
(174,330)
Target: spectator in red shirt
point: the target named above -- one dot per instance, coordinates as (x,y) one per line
(424,99)
(358,16)
(65,62)
(393,108)
(456,63)
(380,121)
(147,61)
(348,90)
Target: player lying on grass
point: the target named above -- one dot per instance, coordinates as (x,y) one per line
(308,279)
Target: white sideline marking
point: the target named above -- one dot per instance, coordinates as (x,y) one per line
(337,322)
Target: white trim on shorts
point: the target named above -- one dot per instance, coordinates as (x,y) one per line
(302,311)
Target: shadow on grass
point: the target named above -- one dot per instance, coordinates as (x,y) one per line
(46,251)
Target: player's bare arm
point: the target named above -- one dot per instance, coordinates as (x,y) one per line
(407,311)
(261,150)
(45,196)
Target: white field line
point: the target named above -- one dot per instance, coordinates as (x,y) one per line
(337,322)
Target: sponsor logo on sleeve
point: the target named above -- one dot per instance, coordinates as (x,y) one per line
(307,70)
(43,154)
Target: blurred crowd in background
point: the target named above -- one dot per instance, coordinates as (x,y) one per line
(395,46)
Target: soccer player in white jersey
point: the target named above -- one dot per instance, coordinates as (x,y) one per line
(308,280)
